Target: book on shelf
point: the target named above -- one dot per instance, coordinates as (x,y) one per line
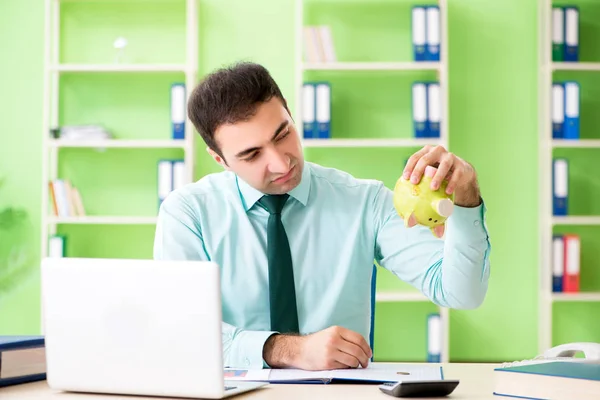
(426,33)
(566,99)
(566,263)
(170,177)
(560,186)
(434,338)
(178,112)
(316,110)
(318,44)
(565,34)
(426,109)
(65,199)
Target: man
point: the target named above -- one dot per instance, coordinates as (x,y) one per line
(296,241)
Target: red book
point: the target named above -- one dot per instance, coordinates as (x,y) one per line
(572,263)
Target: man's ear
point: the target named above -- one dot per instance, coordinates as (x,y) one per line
(218,159)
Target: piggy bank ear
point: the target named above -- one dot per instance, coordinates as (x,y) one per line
(438,230)
(411,221)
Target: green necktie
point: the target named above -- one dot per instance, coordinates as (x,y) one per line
(282,293)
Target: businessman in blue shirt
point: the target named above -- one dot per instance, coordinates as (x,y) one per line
(296,241)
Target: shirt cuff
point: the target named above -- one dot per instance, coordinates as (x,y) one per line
(469,219)
(250,349)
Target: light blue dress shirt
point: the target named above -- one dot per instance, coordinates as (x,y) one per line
(337,225)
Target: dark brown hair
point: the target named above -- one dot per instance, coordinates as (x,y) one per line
(229,95)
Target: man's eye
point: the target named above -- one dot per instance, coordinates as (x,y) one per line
(252,157)
(284,135)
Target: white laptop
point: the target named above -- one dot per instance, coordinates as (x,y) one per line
(140,327)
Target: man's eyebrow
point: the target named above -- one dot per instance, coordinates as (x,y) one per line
(280,128)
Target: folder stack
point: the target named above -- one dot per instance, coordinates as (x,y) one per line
(426,109)
(316,110)
(426,33)
(565,34)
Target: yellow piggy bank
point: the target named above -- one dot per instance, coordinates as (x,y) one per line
(418,204)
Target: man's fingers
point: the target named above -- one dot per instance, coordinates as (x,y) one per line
(445,166)
(412,161)
(357,339)
(454,181)
(438,230)
(431,158)
(347,360)
(355,351)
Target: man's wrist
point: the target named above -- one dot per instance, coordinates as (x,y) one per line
(470,196)
(281,351)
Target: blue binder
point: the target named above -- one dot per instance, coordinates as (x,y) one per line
(560,186)
(558,110)
(432,52)
(323,106)
(434,109)
(178,114)
(571,23)
(309,111)
(434,338)
(419,109)
(572,105)
(419,32)
(558,254)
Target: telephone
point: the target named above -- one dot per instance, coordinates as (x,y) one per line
(565,352)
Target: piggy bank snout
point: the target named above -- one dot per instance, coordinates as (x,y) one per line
(443,207)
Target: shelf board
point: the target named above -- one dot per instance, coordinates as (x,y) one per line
(400,297)
(118,143)
(119,68)
(370,142)
(576,220)
(372,66)
(576,66)
(583,143)
(99,220)
(579,296)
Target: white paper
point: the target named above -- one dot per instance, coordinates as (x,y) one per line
(374,372)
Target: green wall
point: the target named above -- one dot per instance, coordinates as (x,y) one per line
(493,124)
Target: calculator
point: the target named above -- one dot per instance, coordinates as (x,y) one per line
(431,388)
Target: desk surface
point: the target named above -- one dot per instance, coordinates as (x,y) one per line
(476,382)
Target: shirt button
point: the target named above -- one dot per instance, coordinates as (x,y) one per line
(476,223)
(247,361)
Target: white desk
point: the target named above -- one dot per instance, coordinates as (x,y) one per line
(476,382)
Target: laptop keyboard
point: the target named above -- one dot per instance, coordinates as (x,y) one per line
(230,387)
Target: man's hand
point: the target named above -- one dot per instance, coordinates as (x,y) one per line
(331,348)
(461,176)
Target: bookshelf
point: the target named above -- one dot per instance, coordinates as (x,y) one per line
(78,48)
(393,67)
(581,217)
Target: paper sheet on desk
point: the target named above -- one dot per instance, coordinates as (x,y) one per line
(374,373)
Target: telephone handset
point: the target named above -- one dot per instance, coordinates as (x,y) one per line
(565,352)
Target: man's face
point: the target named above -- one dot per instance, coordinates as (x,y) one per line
(264,151)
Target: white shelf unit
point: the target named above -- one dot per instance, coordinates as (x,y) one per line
(441,69)
(53,69)
(547,145)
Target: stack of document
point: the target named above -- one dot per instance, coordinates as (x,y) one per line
(374,373)
(84,132)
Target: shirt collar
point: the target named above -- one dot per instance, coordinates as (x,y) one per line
(250,195)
